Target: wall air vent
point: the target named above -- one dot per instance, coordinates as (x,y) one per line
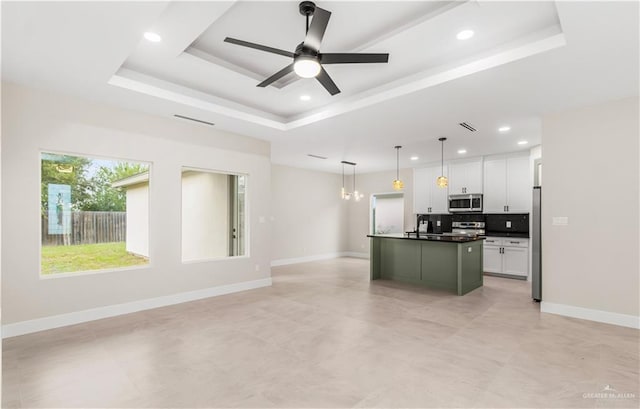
(467,126)
(316,156)
(194,120)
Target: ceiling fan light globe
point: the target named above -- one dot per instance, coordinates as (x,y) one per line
(306,67)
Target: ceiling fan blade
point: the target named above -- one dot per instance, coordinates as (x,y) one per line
(275,77)
(259,47)
(347,58)
(317,28)
(327,82)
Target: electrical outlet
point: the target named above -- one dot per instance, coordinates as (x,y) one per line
(257,267)
(508,224)
(362,246)
(438,223)
(261,219)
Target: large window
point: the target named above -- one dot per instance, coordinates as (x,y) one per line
(213,215)
(94,214)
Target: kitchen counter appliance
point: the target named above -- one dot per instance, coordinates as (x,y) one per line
(465,203)
(468,228)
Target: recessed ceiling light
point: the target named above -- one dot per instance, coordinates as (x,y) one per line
(414,158)
(523,143)
(505,128)
(462,151)
(153,37)
(305,97)
(465,35)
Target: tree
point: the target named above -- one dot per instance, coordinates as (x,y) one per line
(103,196)
(89,194)
(64,170)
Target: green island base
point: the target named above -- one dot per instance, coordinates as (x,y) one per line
(454,265)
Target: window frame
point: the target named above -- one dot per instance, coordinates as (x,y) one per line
(81,273)
(247,228)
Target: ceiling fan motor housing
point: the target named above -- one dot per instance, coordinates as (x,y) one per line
(307,8)
(306,51)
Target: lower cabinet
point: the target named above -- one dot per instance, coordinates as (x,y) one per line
(492,259)
(506,256)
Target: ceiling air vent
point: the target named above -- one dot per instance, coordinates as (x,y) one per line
(316,156)
(467,126)
(194,120)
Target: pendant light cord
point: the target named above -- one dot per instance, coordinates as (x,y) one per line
(354,178)
(442,158)
(397,163)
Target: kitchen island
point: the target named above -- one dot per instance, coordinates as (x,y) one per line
(451,263)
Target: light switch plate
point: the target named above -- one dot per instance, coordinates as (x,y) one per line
(438,223)
(508,224)
(560,221)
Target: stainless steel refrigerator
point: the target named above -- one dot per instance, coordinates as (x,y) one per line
(536,273)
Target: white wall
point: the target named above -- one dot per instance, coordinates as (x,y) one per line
(389,214)
(205,215)
(37,120)
(310,218)
(359,213)
(138,219)
(591,176)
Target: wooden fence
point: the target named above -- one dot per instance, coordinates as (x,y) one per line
(88,228)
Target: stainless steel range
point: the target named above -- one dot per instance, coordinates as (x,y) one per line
(468,228)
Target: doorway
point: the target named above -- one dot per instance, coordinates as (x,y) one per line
(387,213)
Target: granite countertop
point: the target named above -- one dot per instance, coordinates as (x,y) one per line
(430,237)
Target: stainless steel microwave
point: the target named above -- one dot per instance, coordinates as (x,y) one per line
(465,203)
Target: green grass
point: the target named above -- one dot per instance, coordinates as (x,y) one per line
(85,257)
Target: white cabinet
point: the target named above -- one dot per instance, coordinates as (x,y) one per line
(519,185)
(508,256)
(507,185)
(515,261)
(492,256)
(427,196)
(465,177)
(495,186)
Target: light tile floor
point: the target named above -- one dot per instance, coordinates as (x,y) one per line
(324,336)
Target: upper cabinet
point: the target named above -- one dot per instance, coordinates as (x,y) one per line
(507,185)
(465,177)
(427,196)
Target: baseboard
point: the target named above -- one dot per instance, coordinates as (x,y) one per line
(307,259)
(606,317)
(62,320)
(355,254)
(296,260)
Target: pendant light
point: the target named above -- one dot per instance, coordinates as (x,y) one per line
(397,184)
(442,181)
(344,194)
(356,196)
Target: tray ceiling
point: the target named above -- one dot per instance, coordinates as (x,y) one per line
(193,65)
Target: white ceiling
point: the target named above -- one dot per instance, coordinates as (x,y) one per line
(526,59)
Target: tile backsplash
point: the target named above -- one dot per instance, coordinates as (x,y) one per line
(496,223)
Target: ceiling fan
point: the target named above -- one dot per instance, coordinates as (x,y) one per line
(307,59)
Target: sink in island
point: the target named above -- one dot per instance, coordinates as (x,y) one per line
(452,263)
